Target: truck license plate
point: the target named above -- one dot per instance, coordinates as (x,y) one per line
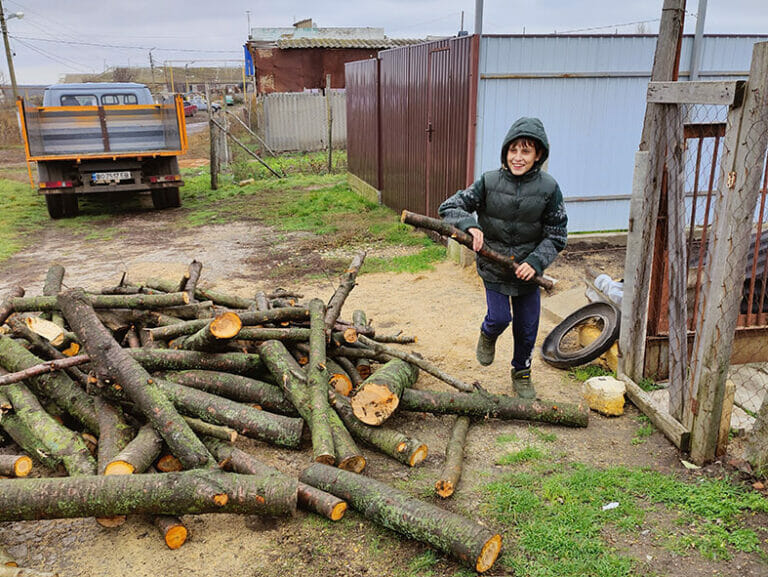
(110,176)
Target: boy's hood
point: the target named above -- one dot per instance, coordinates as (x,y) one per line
(530,128)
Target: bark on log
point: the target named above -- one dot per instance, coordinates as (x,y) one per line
(248,318)
(5,559)
(471,543)
(341,293)
(140,387)
(173,530)
(197,310)
(420,362)
(405,449)
(309,498)
(192,278)
(52,286)
(339,378)
(445,229)
(59,441)
(262,301)
(454,458)
(42,368)
(378,396)
(186,492)
(23,437)
(269,427)
(114,433)
(219,298)
(222,329)
(395,339)
(6,306)
(140,301)
(317,382)
(201,427)
(42,348)
(348,456)
(15,465)
(138,455)
(360,352)
(235,387)
(482,404)
(172,360)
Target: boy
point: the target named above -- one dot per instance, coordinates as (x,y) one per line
(520,212)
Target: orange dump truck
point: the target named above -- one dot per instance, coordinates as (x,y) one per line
(103,137)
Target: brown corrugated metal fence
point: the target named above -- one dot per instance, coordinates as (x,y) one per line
(362,119)
(426,99)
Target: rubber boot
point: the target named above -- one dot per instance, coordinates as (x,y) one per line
(486,349)
(522,385)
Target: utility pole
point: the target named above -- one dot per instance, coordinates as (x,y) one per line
(152,67)
(248,12)
(8,53)
(696,51)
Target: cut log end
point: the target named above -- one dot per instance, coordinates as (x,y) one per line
(418,455)
(488,555)
(221,499)
(444,488)
(226,325)
(374,403)
(169,464)
(72,350)
(350,335)
(340,383)
(111,522)
(326,459)
(22,466)
(338,511)
(186,298)
(176,536)
(356,464)
(119,468)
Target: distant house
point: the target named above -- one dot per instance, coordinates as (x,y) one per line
(299,58)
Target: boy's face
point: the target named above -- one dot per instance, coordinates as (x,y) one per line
(521,157)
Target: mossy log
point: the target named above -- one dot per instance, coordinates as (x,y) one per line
(288,334)
(115,362)
(57,441)
(202,294)
(52,286)
(236,387)
(262,301)
(482,404)
(317,382)
(192,277)
(362,365)
(378,396)
(15,465)
(454,459)
(197,310)
(23,437)
(173,530)
(44,367)
(98,301)
(395,339)
(342,292)
(420,362)
(405,449)
(5,559)
(262,425)
(248,318)
(57,386)
(114,432)
(6,306)
(466,540)
(173,360)
(138,455)
(13,571)
(187,492)
(201,427)
(222,329)
(309,498)
(348,456)
(339,378)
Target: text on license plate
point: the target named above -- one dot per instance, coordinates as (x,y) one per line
(111,176)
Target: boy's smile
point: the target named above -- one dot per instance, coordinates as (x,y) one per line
(521,157)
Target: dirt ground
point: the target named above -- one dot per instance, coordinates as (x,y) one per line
(443,308)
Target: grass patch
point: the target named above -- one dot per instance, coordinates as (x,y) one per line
(522,456)
(507,438)
(542,435)
(557,520)
(586,372)
(412,263)
(648,385)
(645,430)
(23,214)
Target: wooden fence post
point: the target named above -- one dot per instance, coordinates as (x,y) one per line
(741,168)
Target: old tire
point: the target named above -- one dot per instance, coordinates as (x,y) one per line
(172,197)
(61,205)
(557,348)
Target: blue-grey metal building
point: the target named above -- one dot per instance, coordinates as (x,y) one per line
(590,92)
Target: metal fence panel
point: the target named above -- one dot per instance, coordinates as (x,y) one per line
(289,121)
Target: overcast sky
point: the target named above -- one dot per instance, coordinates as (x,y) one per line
(56,37)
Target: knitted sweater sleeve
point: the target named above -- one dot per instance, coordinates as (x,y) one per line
(555,234)
(458,209)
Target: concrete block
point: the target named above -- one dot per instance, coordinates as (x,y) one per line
(559,305)
(605,395)
(459,253)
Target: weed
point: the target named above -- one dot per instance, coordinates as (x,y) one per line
(648,385)
(507,438)
(645,430)
(522,456)
(586,372)
(541,435)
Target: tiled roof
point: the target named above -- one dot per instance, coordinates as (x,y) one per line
(377,44)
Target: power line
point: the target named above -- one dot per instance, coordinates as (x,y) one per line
(58,59)
(610,26)
(124,47)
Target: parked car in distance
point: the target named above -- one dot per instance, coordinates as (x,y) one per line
(229,99)
(189,109)
(199,101)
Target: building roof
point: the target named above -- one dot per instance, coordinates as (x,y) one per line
(373,44)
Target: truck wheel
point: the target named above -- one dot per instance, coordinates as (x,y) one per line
(61,205)
(159,199)
(172,197)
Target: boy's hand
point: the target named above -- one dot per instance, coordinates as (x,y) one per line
(525,271)
(477,238)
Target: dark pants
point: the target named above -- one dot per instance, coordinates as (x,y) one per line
(524,316)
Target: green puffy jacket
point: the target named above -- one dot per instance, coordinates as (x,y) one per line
(522,216)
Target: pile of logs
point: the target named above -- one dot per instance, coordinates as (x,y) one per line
(139,393)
